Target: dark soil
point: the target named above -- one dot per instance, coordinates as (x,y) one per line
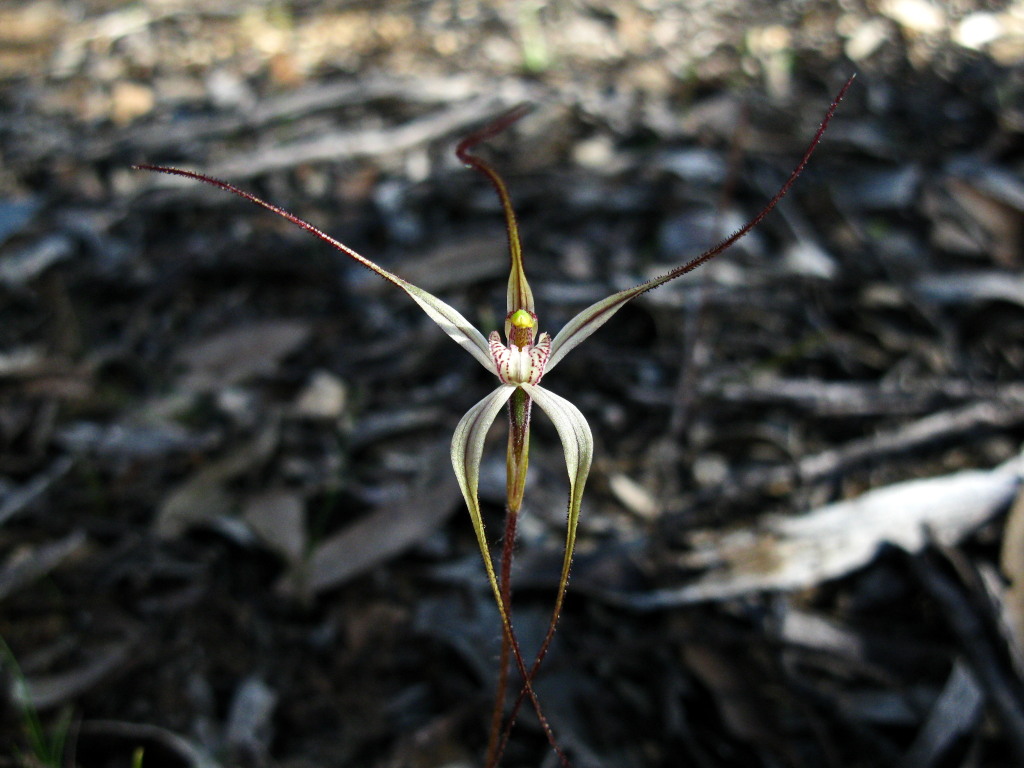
(229,530)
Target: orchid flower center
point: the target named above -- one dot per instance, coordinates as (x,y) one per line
(520,361)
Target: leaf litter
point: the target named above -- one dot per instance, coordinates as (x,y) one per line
(813,387)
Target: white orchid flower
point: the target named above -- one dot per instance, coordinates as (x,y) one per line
(519,362)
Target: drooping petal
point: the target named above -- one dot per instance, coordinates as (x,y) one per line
(467,449)
(596,315)
(578,447)
(447,317)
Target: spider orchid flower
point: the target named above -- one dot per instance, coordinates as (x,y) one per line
(519,362)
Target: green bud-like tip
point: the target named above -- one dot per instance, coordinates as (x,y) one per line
(522,319)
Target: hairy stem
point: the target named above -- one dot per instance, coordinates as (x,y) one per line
(498,714)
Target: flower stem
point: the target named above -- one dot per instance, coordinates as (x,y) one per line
(517,460)
(497,716)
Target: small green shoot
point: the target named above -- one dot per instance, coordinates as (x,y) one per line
(45,749)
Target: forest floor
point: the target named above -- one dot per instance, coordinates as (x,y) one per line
(229,529)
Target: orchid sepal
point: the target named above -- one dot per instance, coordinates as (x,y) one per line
(447,318)
(452,322)
(593,317)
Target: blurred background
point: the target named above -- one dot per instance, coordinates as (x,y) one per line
(229,531)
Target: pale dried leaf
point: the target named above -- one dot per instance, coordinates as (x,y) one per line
(799,552)
(1001,221)
(15,501)
(956,288)
(17,213)
(955,713)
(633,496)
(249,726)
(47,691)
(240,353)
(22,361)
(203,497)
(199,499)
(278,518)
(380,535)
(453,265)
(26,264)
(25,567)
(1011,562)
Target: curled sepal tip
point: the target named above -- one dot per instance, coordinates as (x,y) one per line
(519,294)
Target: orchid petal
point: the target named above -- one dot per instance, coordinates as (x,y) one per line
(589,320)
(449,319)
(452,322)
(467,450)
(578,447)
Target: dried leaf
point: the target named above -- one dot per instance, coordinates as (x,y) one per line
(956,713)
(25,567)
(16,500)
(453,265)
(199,499)
(203,497)
(1001,221)
(239,353)
(16,214)
(968,287)
(1011,561)
(799,552)
(28,263)
(47,691)
(380,535)
(278,518)
(633,496)
(249,727)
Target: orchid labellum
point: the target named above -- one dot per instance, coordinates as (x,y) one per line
(519,360)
